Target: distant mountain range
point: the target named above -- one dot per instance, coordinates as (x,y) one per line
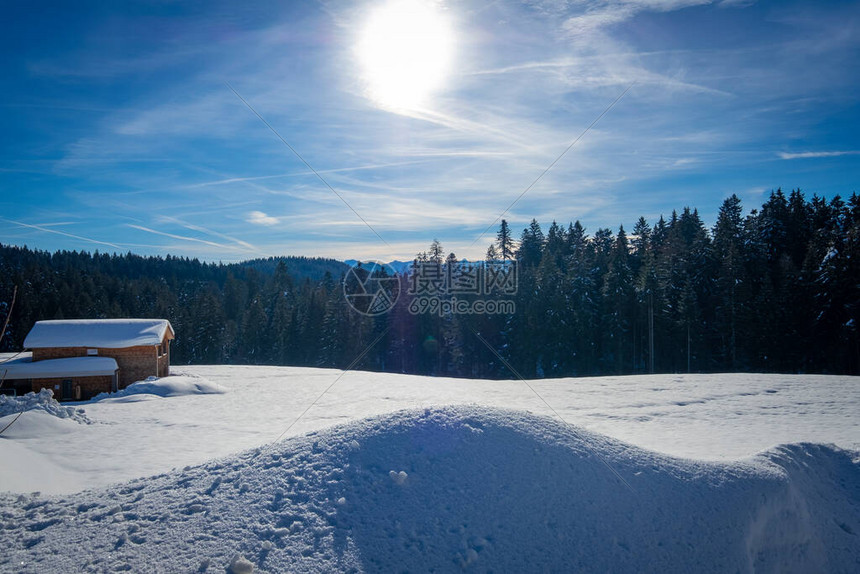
(399,266)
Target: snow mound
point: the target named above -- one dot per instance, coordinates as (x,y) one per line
(171,386)
(41,401)
(455,488)
(32,424)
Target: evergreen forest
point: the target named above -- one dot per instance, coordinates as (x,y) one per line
(773,290)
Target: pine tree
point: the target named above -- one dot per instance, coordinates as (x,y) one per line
(548,324)
(618,296)
(647,288)
(505,242)
(556,245)
(641,237)
(531,246)
(206,339)
(582,302)
(436,253)
(334,324)
(254,334)
(728,250)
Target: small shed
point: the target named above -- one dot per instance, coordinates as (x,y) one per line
(140,348)
(76,378)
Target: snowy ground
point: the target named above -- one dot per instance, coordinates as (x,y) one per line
(706,417)
(398,491)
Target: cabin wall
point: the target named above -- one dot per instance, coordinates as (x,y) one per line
(58,353)
(90,386)
(135,363)
(163,366)
(20,386)
(164,358)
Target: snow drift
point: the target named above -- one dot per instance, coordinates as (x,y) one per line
(455,488)
(171,386)
(42,401)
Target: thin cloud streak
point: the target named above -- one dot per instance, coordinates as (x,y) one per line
(816,154)
(471,127)
(585,76)
(56,223)
(301,173)
(184,238)
(193,227)
(47,230)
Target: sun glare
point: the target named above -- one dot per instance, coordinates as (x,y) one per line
(405,50)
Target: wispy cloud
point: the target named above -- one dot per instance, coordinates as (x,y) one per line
(815,154)
(55,223)
(604,70)
(260,218)
(231,180)
(605,13)
(193,227)
(63,233)
(184,238)
(736,3)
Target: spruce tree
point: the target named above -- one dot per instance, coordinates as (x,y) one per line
(730,300)
(505,242)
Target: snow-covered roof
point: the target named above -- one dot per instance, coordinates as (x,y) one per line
(104,333)
(19,355)
(25,368)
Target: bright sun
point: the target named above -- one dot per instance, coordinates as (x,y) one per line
(405,50)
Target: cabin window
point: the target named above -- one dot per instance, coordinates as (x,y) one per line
(92,352)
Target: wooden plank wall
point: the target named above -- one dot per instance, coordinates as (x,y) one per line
(135,363)
(90,386)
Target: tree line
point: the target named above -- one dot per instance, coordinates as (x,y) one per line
(774,290)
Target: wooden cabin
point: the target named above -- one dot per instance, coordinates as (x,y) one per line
(75,378)
(80,358)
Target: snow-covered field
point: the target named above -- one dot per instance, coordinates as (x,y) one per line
(649,473)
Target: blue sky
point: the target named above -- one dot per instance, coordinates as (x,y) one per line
(120,133)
